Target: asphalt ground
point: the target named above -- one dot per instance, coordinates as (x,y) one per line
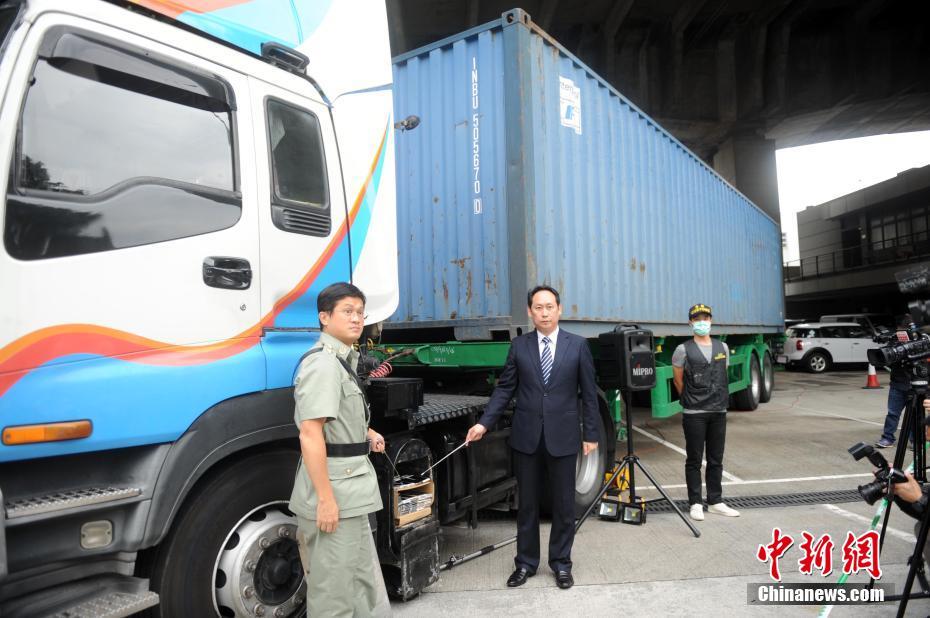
(796,443)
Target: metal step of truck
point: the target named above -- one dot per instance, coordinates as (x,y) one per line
(70,499)
(440,407)
(109,596)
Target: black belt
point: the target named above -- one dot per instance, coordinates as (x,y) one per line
(347,450)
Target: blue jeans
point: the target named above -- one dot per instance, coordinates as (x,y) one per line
(897,399)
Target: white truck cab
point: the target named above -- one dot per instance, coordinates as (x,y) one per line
(175,204)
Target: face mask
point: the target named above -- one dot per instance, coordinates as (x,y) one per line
(701,328)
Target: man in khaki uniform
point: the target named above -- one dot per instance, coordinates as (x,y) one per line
(336,488)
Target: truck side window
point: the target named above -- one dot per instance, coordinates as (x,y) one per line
(300,193)
(118,154)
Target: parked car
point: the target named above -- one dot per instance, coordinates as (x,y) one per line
(872,322)
(817,346)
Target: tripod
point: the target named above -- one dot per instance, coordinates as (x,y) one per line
(630,463)
(912,427)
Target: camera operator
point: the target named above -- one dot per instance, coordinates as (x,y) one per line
(897,395)
(912,498)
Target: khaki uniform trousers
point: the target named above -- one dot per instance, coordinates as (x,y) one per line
(342,571)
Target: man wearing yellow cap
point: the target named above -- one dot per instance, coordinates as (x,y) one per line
(699,368)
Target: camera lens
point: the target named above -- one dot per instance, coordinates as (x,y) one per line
(871,492)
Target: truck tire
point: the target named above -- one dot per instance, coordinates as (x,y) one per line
(748,398)
(768,378)
(589,472)
(817,361)
(232,547)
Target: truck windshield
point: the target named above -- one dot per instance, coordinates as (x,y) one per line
(8,14)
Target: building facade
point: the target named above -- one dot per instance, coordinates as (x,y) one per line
(852,246)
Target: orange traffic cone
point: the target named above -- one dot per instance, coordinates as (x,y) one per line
(872,380)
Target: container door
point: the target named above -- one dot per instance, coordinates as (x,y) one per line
(130,237)
(302,220)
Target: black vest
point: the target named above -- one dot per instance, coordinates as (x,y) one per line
(705,383)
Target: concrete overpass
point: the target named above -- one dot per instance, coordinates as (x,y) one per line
(732,79)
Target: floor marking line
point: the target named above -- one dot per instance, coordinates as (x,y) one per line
(904,536)
(678,449)
(848,418)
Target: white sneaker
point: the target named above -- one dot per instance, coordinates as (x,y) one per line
(697,512)
(722,509)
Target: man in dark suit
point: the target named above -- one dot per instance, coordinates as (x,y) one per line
(545,369)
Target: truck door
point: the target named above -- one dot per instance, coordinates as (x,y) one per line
(130,237)
(302,219)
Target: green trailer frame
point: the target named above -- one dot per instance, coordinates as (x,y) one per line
(742,349)
(490,356)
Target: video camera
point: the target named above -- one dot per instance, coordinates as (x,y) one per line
(907,345)
(885,476)
(901,346)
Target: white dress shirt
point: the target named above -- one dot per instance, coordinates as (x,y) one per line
(553,337)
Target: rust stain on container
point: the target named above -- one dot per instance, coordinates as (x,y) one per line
(633,264)
(460,262)
(468,288)
(445,291)
(642,267)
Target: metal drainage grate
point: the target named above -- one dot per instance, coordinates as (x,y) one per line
(763,502)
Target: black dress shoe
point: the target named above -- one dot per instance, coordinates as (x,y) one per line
(519,577)
(564,579)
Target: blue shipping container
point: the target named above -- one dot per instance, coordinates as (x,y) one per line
(528,168)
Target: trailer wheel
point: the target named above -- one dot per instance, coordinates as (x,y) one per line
(748,398)
(232,548)
(768,378)
(589,471)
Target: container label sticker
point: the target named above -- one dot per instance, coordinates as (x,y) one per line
(475,136)
(570,104)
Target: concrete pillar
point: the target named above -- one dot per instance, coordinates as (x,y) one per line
(747,161)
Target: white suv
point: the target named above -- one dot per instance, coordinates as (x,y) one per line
(816,346)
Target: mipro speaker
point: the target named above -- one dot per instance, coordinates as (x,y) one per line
(626,359)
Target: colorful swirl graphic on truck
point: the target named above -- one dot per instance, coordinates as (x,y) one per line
(148,383)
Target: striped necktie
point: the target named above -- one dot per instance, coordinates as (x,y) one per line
(545,360)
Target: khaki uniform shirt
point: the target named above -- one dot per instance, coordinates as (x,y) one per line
(324,389)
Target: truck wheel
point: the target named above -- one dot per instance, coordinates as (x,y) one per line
(768,378)
(232,548)
(816,362)
(748,398)
(589,472)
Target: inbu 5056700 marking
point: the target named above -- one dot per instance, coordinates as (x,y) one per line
(475,133)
